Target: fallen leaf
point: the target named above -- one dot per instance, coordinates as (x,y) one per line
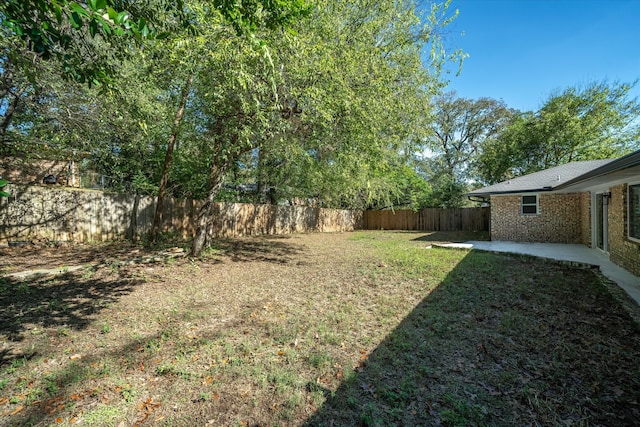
(3,400)
(18,409)
(59,420)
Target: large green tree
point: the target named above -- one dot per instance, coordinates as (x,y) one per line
(357,97)
(596,121)
(461,128)
(328,109)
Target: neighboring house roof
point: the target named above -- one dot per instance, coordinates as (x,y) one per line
(546,180)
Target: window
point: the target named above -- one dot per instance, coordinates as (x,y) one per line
(529,205)
(634,212)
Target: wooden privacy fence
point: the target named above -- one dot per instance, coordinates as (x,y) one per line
(63,214)
(430,219)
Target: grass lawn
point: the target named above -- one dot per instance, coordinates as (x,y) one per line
(365,328)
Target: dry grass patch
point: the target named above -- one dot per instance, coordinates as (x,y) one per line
(365,328)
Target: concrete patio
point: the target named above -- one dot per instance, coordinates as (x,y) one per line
(577,253)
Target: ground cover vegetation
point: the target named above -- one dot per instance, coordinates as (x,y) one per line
(364,328)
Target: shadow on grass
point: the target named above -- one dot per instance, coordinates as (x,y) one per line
(67,389)
(276,249)
(501,341)
(453,236)
(65,301)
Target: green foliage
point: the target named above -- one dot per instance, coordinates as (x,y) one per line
(318,102)
(598,121)
(62,29)
(249,15)
(461,128)
(353,125)
(58,30)
(3,183)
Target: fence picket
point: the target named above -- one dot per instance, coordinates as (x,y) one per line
(429,219)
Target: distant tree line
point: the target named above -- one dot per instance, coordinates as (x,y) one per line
(481,142)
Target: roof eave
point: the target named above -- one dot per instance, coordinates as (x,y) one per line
(503,193)
(624,162)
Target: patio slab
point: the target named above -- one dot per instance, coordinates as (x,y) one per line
(565,252)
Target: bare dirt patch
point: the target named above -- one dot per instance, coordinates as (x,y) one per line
(365,328)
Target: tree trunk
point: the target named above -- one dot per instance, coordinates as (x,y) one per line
(205,214)
(8,114)
(133,224)
(164,178)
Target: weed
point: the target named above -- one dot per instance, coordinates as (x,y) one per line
(89,273)
(23,288)
(127,392)
(51,385)
(32,394)
(211,252)
(113,265)
(461,412)
(319,359)
(15,364)
(167,369)
(153,345)
(104,415)
(3,383)
(104,370)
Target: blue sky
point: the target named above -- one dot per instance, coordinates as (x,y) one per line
(521,51)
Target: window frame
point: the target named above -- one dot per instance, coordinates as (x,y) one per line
(629,207)
(523,204)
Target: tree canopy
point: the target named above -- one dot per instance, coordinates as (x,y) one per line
(597,121)
(315,102)
(461,128)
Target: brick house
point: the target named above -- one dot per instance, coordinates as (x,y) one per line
(595,203)
(18,170)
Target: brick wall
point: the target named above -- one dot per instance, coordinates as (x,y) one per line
(622,251)
(18,170)
(585,218)
(560,220)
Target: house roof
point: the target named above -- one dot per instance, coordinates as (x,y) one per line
(548,179)
(623,163)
